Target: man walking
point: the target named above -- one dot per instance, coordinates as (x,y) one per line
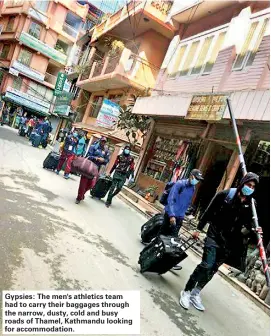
(230,217)
(68,154)
(179,200)
(124,168)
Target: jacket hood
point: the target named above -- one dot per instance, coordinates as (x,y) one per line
(247,178)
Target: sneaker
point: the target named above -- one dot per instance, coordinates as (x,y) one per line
(177,268)
(107,204)
(66,176)
(185,299)
(196,301)
(77,201)
(57,172)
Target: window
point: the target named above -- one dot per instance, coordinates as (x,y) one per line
(34,30)
(5,51)
(25,57)
(42,5)
(189,58)
(202,55)
(40,91)
(250,47)
(180,55)
(17,83)
(62,47)
(213,56)
(10,24)
(96,106)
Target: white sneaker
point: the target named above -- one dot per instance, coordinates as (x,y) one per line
(185,299)
(196,302)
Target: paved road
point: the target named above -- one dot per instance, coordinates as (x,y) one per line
(49,242)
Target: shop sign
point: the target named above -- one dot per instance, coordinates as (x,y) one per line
(60,82)
(25,102)
(28,97)
(108,114)
(25,70)
(37,15)
(45,49)
(207,107)
(62,104)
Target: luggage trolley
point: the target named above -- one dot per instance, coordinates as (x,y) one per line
(165,252)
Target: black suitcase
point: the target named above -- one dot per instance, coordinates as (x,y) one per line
(151,228)
(163,253)
(51,161)
(22,131)
(36,140)
(101,187)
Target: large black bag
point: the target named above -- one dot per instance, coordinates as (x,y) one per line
(101,187)
(51,161)
(36,140)
(163,253)
(151,228)
(22,131)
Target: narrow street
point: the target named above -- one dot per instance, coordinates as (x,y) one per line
(49,242)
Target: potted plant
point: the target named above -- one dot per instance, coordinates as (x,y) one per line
(151,193)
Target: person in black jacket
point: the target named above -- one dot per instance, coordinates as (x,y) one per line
(230,220)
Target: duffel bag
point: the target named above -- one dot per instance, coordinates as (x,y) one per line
(85,167)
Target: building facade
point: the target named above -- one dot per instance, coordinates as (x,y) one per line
(132,68)
(222,52)
(37,42)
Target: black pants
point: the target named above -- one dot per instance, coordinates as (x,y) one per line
(169,229)
(213,257)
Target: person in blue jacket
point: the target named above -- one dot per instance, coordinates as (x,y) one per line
(99,154)
(179,200)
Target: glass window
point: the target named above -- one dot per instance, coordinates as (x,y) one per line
(254,50)
(25,57)
(179,57)
(34,30)
(239,62)
(17,83)
(202,55)
(10,24)
(42,5)
(49,95)
(62,47)
(211,61)
(5,51)
(189,58)
(96,106)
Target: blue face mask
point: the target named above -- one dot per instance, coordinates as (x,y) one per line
(194,181)
(126,151)
(247,191)
(75,134)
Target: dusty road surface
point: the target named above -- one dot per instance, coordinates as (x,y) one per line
(49,242)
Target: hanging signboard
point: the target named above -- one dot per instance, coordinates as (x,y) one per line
(108,114)
(60,82)
(207,107)
(62,103)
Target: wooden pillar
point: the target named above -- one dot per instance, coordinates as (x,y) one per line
(233,165)
(143,150)
(88,109)
(113,157)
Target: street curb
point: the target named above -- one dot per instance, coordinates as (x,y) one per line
(235,283)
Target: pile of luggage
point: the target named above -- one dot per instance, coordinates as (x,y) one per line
(161,253)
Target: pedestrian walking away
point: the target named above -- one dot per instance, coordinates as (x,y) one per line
(68,154)
(98,153)
(230,218)
(123,169)
(178,200)
(81,144)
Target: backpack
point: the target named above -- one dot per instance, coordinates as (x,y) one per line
(230,195)
(164,197)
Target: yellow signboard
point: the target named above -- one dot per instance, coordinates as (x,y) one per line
(207,107)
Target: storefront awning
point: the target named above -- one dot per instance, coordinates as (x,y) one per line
(26,108)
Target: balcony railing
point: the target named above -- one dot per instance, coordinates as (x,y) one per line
(69,30)
(50,78)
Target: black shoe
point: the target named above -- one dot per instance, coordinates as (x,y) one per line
(107,204)
(77,201)
(177,268)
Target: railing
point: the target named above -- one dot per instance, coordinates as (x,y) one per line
(50,78)
(113,61)
(69,30)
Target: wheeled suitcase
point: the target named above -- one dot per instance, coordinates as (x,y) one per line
(151,228)
(22,131)
(101,187)
(163,253)
(36,140)
(51,161)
